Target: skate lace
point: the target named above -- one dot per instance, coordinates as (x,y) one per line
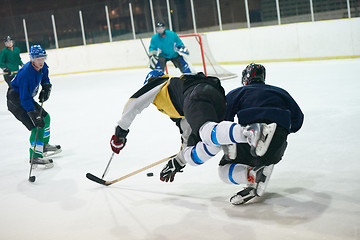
(251,177)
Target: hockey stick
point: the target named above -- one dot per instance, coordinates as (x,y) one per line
(106,169)
(144,48)
(107,183)
(5,73)
(32,178)
(149,55)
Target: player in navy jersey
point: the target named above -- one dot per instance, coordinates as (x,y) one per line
(257,102)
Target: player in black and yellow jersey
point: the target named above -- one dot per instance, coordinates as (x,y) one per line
(197,104)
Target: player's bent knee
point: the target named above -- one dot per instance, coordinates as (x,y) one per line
(205,133)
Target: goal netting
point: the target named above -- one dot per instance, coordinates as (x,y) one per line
(201,57)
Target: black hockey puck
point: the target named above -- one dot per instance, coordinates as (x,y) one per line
(32,179)
(150,174)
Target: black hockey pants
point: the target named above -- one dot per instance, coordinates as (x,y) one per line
(14,106)
(8,79)
(202,103)
(176,61)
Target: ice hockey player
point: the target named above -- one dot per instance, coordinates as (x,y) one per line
(166,93)
(10,59)
(166,46)
(257,102)
(21,104)
(192,101)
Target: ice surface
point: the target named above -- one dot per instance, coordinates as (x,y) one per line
(314,192)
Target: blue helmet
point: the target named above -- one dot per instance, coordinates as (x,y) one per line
(153,73)
(36,51)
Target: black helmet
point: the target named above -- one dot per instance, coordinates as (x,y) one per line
(160,28)
(7,39)
(160,24)
(253,73)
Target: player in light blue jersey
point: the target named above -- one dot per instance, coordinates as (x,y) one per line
(166,46)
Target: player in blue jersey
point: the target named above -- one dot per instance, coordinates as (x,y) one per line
(166,46)
(20,101)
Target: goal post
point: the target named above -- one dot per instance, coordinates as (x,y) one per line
(201,56)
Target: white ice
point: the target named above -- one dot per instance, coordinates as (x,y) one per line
(314,192)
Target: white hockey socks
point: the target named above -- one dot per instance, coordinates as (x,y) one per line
(234,173)
(223,133)
(200,153)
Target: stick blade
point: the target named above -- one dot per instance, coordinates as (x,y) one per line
(96,179)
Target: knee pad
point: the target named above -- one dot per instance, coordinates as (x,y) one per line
(206,132)
(233,173)
(197,155)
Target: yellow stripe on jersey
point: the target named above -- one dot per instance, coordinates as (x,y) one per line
(164,104)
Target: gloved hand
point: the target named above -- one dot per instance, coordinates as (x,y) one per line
(7,71)
(37,120)
(118,140)
(153,60)
(45,92)
(183,51)
(170,169)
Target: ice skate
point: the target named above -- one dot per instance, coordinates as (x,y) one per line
(50,150)
(45,163)
(243,196)
(262,179)
(259,136)
(258,178)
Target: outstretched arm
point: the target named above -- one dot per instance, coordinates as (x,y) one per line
(138,102)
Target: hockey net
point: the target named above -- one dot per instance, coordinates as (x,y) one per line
(201,57)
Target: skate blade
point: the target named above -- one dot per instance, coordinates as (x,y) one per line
(263,144)
(43,166)
(239,200)
(51,153)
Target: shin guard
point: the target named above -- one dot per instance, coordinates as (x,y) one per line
(234,173)
(223,133)
(197,155)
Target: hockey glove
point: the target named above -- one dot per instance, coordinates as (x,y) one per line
(7,71)
(45,92)
(118,140)
(183,51)
(37,120)
(170,169)
(153,60)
